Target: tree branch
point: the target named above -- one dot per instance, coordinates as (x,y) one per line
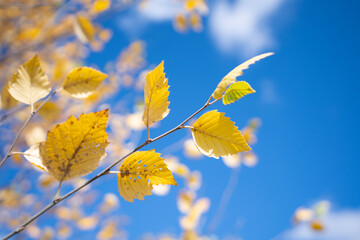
(32,114)
(104,172)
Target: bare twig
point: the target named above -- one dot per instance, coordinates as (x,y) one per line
(104,172)
(32,114)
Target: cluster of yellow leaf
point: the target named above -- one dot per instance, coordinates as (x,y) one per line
(239,90)
(139,172)
(73,148)
(312,215)
(190,16)
(30,84)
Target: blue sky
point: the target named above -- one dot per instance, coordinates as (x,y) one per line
(307,97)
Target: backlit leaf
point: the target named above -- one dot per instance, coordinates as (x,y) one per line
(216,135)
(238,71)
(75,147)
(156,96)
(82,81)
(33,156)
(139,172)
(236,91)
(29,83)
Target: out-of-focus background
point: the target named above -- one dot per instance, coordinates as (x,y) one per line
(301,181)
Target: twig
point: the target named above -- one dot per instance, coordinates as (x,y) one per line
(102,173)
(10,113)
(32,114)
(224,202)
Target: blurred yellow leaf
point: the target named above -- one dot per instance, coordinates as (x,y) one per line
(303,214)
(191,220)
(216,135)
(87,223)
(236,91)
(156,96)
(139,172)
(107,232)
(317,225)
(84,29)
(75,147)
(7,101)
(30,83)
(233,74)
(82,81)
(100,5)
(50,111)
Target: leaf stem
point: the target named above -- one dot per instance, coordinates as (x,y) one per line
(32,114)
(105,171)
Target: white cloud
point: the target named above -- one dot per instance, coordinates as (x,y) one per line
(243,26)
(340,225)
(139,16)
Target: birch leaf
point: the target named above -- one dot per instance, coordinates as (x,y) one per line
(75,147)
(216,135)
(82,81)
(33,156)
(139,172)
(29,84)
(236,91)
(236,72)
(156,96)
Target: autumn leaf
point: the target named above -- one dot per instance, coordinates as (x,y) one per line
(82,81)
(236,72)
(236,91)
(156,96)
(216,135)
(75,147)
(33,156)
(29,84)
(139,172)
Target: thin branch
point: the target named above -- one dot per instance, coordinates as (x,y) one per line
(102,173)
(224,202)
(12,112)
(32,114)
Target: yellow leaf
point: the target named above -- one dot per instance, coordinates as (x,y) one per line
(75,147)
(139,172)
(317,225)
(84,29)
(238,71)
(30,83)
(7,101)
(216,135)
(82,81)
(33,156)
(100,6)
(156,96)
(236,91)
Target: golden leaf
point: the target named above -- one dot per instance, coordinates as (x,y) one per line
(236,91)
(216,135)
(82,81)
(156,96)
(139,172)
(75,147)
(238,71)
(30,83)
